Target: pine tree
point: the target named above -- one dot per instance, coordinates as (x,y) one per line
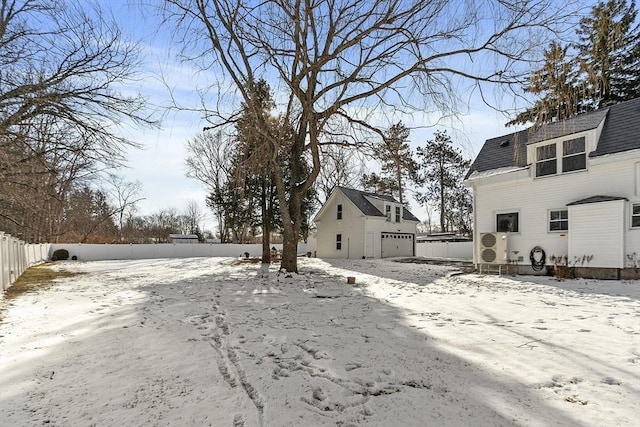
(397,163)
(443,168)
(556,83)
(609,53)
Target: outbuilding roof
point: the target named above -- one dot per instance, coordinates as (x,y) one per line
(359,198)
(620,133)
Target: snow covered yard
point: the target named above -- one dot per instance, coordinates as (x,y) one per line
(198,342)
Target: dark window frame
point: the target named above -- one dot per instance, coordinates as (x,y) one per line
(510,218)
(339,212)
(339,241)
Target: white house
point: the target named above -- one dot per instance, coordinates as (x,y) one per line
(357,224)
(567,193)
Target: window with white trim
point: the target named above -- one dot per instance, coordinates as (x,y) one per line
(635,215)
(339,212)
(561,157)
(546,163)
(338,242)
(559,220)
(398,210)
(574,156)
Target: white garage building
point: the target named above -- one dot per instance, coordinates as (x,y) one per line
(357,224)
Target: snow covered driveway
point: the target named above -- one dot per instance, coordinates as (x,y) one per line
(210,342)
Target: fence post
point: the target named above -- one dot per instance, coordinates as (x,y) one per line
(4,262)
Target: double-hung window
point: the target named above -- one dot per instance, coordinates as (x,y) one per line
(398,210)
(567,156)
(635,215)
(559,220)
(546,163)
(339,212)
(574,156)
(339,242)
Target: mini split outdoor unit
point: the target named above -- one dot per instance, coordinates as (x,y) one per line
(493,248)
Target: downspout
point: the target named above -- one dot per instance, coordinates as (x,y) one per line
(475,224)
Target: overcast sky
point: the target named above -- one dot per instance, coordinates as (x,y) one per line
(160,164)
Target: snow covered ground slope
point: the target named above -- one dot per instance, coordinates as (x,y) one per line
(210,342)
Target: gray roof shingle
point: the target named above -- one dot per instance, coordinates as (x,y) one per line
(580,123)
(500,152)
(358,198)
(621,132)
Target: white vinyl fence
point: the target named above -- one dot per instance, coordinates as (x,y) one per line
(449,250)
(16,256)
(95,252)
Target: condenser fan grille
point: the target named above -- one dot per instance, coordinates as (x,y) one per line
(488,255)
(488,240)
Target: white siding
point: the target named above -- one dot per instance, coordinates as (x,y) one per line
(597,229)
(351,227)
(378,225)
(533,198)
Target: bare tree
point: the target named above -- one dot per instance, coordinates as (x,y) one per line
(335,60)
(210,161)
(125,196)
(193,216)
(60,111)
(341,166)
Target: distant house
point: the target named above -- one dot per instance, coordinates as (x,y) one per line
(183,238)
(358,224)
(566,193)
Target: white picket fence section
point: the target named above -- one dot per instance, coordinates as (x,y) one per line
(448,250)
(96,252)
(16,256)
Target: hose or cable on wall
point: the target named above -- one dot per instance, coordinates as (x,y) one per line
(538,258)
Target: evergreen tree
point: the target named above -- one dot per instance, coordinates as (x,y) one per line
(602,68)
(609,53)
(556,85)
(443,168)
(398,165)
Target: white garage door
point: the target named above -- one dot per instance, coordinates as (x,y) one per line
(397,244)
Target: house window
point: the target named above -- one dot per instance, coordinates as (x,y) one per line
(339,242)
(559,220)
(574,157)
(387,212)
(635,215)
(339,212)
(397,213)
(507,222)
(546,160)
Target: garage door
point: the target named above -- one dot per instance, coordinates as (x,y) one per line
(397,244)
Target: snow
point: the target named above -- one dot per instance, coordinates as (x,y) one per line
(216,342)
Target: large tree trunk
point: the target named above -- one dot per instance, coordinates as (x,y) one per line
(291,232)
(266,228)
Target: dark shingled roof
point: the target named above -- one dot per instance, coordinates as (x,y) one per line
(621,132)
(358,198)
(596,199)
(580,123)
(621,129)
(503,151)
